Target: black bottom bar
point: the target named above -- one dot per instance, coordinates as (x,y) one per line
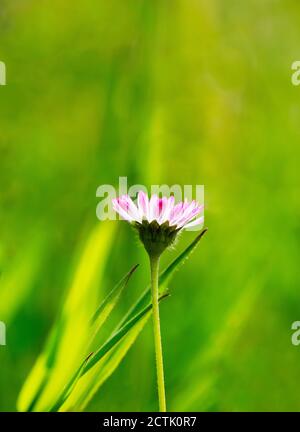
(135,421)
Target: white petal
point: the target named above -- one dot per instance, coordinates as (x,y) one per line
(153,208)
(168,210)
(198,221)
(121,211)
(182,215)
(189,214)
(131,207)
(143,205)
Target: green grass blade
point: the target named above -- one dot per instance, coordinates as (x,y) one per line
(94,359)
(164,278)
(109,356)
(96,322)
(114,339)
(169,272)
(63,353)
(87,386)
(67,391)
(108,304)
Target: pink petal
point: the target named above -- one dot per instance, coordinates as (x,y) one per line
(185,210)
(191,211)
(123,213)
(168,210)
(127,204)
(176,213)
(163,205)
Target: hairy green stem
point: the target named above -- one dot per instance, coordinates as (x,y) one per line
(154,264)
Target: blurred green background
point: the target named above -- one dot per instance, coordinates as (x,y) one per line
(181,91)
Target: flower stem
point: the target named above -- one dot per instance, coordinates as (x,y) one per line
(154,264)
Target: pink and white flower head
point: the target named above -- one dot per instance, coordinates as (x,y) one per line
(158,220)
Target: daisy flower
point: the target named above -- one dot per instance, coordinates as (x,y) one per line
(158,220)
